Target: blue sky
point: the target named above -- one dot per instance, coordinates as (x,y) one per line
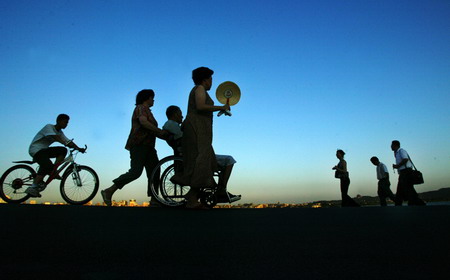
(315,76)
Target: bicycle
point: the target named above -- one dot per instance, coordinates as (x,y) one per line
(79,183)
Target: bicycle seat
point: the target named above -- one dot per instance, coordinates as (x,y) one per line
(25,161)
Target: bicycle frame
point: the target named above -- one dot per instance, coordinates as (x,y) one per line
(69,160)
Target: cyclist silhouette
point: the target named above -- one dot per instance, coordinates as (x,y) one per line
(41,152)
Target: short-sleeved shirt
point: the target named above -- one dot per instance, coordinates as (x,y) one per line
(44,139)
(401,154)
(174,128)
(138,134)
(381,171)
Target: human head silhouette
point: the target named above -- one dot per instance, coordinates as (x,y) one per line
(144,95)
(200,74)
(174,113)
(375,160)
(340,154)
(62,120)
(395,145)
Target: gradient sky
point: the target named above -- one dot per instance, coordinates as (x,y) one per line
(315,76)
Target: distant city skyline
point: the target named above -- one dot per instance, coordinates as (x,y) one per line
(315,76)
(439,197)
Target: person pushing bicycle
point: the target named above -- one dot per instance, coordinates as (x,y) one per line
(41,152)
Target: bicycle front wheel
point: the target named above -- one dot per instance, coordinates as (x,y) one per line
(79,186)
(15,181)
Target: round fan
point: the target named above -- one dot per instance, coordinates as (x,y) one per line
(228,93)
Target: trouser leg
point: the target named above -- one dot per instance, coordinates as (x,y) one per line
(345,183)
(409,191)
(225,176)
(390,194)
(413,197)
(400,196)
(382,197)
(43,159)
(150,165)
(384,191)
(137,161)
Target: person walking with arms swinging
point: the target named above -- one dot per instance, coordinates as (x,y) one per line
(405,187)
(141,144)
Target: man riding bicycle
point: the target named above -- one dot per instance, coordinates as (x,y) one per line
(41,152)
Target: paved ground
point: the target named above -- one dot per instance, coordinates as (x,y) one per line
(76,242)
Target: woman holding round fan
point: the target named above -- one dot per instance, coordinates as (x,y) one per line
(199,159)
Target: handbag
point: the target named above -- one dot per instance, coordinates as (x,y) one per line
(337,174)
(340,174)
(416,176)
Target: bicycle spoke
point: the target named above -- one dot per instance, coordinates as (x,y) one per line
(75,194)
(15,181)
(170,192)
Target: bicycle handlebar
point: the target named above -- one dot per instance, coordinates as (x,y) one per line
(74,149)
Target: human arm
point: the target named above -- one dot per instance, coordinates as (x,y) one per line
(344,167)
(384,171)
(404,159)
(403,162)
(153,128)
(68,143)
(200,102)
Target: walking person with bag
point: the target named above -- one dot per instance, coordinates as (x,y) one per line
(342,174)
(405,187)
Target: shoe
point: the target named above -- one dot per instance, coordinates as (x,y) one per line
(40,187)
(228,198)
(33,192)
(234,197)
(105,199)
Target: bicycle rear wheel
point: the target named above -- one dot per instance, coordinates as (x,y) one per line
(80,185)
(15,181)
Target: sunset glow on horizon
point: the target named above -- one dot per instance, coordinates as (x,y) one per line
(315,76)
